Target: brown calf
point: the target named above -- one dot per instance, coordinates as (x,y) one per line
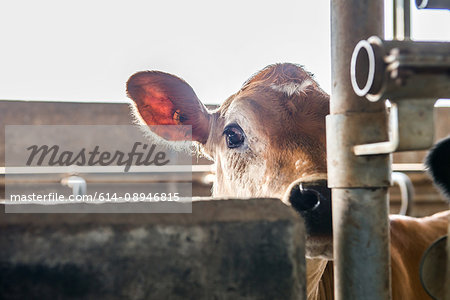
(266,136)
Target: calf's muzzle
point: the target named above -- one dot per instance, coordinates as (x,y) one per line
(312,200)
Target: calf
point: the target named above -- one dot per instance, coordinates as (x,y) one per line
(438,164)
(266,136)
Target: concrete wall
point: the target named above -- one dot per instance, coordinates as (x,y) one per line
(231,249)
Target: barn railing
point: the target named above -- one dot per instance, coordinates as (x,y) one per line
(361,134)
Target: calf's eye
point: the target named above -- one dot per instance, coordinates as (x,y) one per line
(234,136)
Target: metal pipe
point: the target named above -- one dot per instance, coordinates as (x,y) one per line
(411,127)
(406,192)
(359,183)
(400,69)
(362,257)
(406,19)
(402,19)
(387,147)
(433,4)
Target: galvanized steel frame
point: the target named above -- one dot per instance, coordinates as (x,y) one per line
(360,183)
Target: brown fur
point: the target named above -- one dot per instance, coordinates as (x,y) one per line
(410,237)
(304,140)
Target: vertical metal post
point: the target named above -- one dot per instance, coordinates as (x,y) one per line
(360,184)
(402,19)
(407,19)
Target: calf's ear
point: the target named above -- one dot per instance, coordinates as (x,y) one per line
(164,99)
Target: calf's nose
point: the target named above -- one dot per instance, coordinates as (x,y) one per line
(313,201)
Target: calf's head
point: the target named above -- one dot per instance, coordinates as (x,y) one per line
(263,138)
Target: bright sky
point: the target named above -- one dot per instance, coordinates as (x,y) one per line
(86,50)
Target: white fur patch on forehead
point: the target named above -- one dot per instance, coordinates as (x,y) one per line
(292,88)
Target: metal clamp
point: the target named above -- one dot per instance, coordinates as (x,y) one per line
(406,192)
(383,147)
(433,4)
(77,183)
(411,127)
(397,70)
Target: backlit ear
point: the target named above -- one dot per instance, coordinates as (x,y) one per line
(164,99)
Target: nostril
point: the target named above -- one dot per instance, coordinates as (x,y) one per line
(312,200)
(304,199)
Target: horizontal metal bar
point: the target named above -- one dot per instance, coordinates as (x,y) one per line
(106,169)
(122,101)
(400,69)
(406,167)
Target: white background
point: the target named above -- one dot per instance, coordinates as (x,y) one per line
(86,50)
